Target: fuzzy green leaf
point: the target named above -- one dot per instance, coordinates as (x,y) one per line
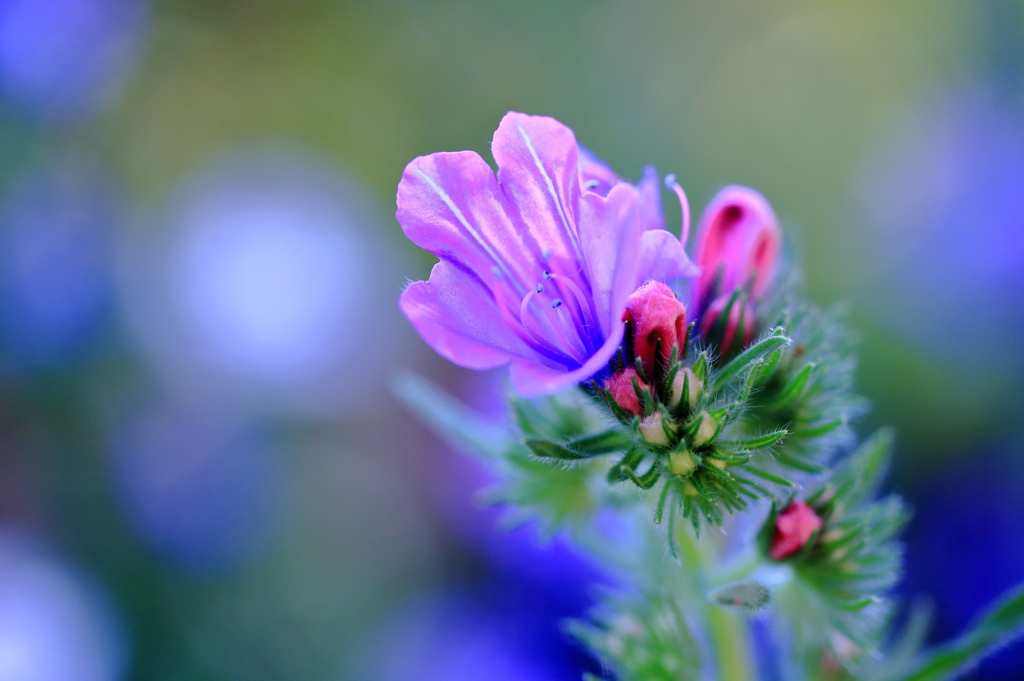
(546,449)
(554,494)
(612,440)
(859,476)
(759,442)
(770,477)
(794,388)
(450,418)
(742,362)
(646,638)
(1000,625)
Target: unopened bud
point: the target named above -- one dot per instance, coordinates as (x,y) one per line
(793,528)
(620,385)
(685,380)
(733,333)
(657,319)
(738,245)
(681,462)
(706,430)
(653,429)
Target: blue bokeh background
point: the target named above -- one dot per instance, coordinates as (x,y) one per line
(202,473)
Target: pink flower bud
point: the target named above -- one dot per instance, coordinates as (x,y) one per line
(740,314)
(621,387)
(793,528)
(738,246)
(654,313)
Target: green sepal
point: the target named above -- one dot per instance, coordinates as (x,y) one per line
(639,366)
(659,509)
(644,481)
(630,460)
(625,469)
(767,531)
(643,394)
(700,367)
(717,331)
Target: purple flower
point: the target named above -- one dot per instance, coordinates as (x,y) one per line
(537,263)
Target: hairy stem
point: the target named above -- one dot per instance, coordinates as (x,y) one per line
(727,629)
(732,646)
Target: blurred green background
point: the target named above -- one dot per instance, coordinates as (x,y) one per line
(200,269)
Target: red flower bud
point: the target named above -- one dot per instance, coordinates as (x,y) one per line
(654,313)
(621,387)
(725,335)
(793,528)
(738,246)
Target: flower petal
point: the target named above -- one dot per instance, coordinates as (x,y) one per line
(538,170)
(531,379)
(456,315)
(595,175)
(611,229)
(450,204)
(663,258)
(650,198)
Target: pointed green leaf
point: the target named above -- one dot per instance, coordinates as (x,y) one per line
(1000,625)
(546,449)
(454,421)
(764,372)
(770,477)
(612,440)
(794,388)
(859,476)
(746,359)
(759,442)
(820,429)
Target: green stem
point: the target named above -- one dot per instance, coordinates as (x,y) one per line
(728,629)
(732,646)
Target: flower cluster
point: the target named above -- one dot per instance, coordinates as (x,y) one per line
(707,390)
(564,271)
